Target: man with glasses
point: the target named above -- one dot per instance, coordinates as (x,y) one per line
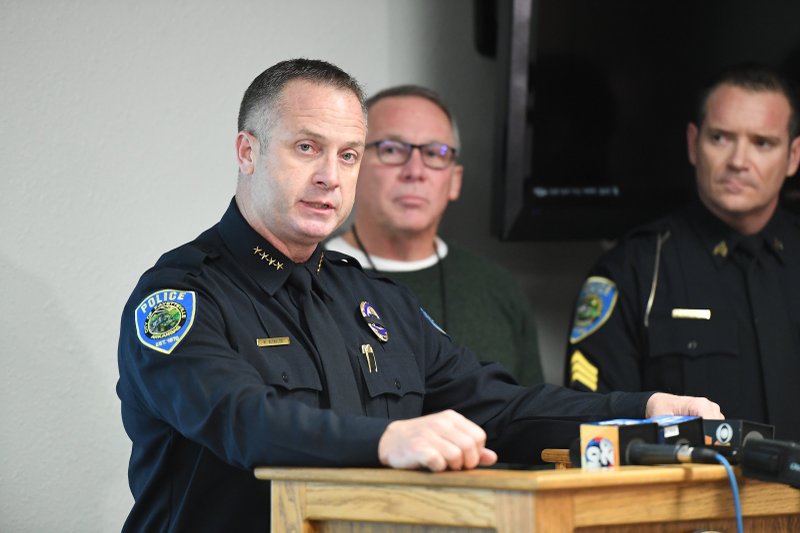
(408,176)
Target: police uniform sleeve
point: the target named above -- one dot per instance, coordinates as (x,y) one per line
(207,392)
(519,421)
(607,337)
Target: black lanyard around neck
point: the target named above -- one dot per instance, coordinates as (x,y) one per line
(442,287)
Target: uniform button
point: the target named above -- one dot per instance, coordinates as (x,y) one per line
(397,383)
(692,345)
(285,377)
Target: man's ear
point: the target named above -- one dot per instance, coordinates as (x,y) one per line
(246,152)
(691,142)
(794,156)
(455,182)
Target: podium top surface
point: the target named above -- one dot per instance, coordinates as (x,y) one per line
(526,480)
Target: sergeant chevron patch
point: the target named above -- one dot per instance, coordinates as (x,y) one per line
(582,371)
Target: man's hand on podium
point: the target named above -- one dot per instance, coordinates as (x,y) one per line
(449,441)
(441,441)
(662,403)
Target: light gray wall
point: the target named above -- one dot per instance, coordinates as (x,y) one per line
(118,121)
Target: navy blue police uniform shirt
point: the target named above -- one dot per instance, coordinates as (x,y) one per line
(688,306)
(218,375)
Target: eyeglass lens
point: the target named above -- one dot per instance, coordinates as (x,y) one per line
(434,155)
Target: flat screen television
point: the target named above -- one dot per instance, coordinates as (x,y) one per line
(593,101)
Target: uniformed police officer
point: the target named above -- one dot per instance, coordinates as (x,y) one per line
(252,346)
(705,301)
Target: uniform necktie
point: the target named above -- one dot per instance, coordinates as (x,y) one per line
(340,383)
(771,323)
(748,249)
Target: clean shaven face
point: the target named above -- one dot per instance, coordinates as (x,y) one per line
(742,155)
(409,198)
(303,185)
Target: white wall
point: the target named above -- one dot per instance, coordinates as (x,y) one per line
(118,121)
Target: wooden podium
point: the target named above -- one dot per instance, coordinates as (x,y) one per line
(670,498)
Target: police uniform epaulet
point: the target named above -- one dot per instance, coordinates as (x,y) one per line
(338,258)
(332,257)
(795,218)
(190,257)
(648,230)
(166,312)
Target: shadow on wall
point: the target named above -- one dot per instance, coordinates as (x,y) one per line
(57,413)
(551,272)
(449,63)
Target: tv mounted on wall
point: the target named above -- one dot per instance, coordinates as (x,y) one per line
(593,101)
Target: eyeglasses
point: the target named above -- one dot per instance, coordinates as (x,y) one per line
(437,156)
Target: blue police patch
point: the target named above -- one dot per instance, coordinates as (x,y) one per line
(433,322)
(595,304)
(164,318)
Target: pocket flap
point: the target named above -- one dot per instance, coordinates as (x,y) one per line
(290,368)
(391,374)
(692,337)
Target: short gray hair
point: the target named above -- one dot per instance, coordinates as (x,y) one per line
(263,96)
(421,92)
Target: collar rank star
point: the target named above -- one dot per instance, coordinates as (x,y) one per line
(164,318)
(373,320)
(271,261)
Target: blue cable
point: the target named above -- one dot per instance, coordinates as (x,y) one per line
(734,489)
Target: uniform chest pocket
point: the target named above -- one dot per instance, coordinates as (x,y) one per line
(288,367)
(692,338)
(391,374)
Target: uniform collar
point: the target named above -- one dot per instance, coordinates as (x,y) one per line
(259,258)
(720,240)
(777,233)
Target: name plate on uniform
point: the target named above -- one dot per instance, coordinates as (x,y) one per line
(695,314)
(272,341)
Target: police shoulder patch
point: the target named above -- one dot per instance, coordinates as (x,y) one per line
(164,318)
(595,303)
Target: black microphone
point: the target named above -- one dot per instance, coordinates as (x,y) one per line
(639,452)
(642,453)
(771,460)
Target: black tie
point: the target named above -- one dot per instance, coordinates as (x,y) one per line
(771,323)
(339,379)
(748,250)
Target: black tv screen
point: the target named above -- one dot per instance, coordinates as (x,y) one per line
(593,101)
